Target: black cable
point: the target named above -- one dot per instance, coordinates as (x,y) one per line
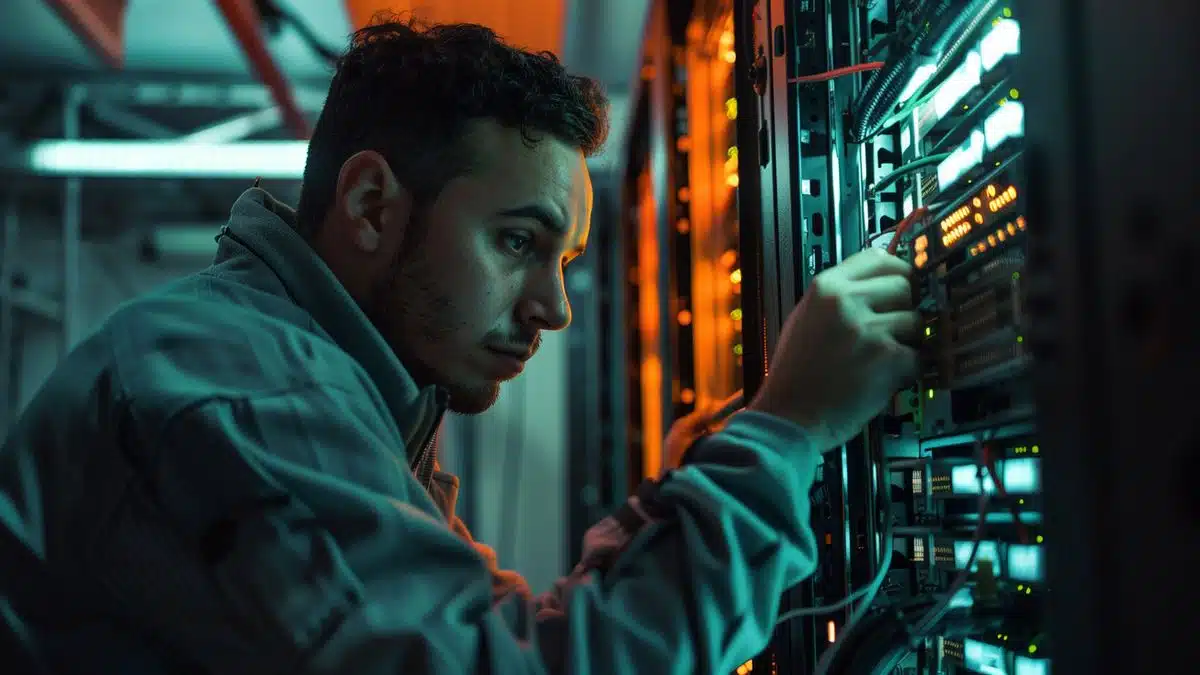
(937,24)
(976,16)
(905,43)
(904,170)
(273,13)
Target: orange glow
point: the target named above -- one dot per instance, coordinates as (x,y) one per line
(532,24)
(684,317)
(649,310)
(712,172)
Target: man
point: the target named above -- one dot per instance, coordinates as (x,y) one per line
(235,474)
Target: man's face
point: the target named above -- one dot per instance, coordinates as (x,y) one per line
(462,288)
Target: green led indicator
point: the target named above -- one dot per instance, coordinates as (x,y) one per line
(1020,338)
(1016,275)
(928,331)
(929,393)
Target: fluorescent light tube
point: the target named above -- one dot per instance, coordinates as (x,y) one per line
(169,159)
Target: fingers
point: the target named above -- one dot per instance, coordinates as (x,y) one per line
(873,262)
(891,293)
(905,362)
(902,326)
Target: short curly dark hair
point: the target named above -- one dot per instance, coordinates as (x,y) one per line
(408,90)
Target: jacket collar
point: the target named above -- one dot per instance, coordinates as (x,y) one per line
(263,228)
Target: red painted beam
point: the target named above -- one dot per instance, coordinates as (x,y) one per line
(245,25)
(100,24)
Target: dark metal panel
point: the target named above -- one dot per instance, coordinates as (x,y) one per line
(1113,138)
(754,219)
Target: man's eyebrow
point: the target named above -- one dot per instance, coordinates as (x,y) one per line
(539,213)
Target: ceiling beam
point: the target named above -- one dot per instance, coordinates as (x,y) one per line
(245,24)
(99,24)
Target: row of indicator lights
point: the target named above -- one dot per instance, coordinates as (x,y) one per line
(1003,637)
(998,200)
(961,230)
(999,236)
(960,214)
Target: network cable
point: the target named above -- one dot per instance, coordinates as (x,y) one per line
(950,55)
(865,596)
(934,33)
(273,12)
(829,662)
(904,226)
(836,73)
(904,170)
(926,624)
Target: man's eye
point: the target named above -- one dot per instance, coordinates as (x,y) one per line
(517,242)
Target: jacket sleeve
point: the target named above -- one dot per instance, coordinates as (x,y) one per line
(273,535)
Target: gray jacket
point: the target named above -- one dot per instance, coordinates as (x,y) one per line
(234,475)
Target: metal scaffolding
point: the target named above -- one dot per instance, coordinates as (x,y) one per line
(127,109)
(18,303)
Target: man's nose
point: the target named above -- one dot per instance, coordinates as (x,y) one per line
(547,308)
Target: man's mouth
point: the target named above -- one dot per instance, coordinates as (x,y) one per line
(508,362)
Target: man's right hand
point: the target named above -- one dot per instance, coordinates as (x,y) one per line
(844,350)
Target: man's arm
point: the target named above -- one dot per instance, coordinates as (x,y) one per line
(276,534)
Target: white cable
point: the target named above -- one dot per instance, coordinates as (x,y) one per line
(866,593)
(926,624)
(930,619)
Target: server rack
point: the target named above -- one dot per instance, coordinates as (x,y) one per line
(870,131)
(1012,471)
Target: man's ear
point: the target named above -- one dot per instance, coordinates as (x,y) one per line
(373,204)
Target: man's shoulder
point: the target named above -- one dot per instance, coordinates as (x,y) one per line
(205,338)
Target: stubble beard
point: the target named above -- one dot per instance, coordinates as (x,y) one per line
(408,308)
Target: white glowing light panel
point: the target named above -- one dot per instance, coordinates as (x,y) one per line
(1006,123)
(1003,40)
(1021,476)
(167,159)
